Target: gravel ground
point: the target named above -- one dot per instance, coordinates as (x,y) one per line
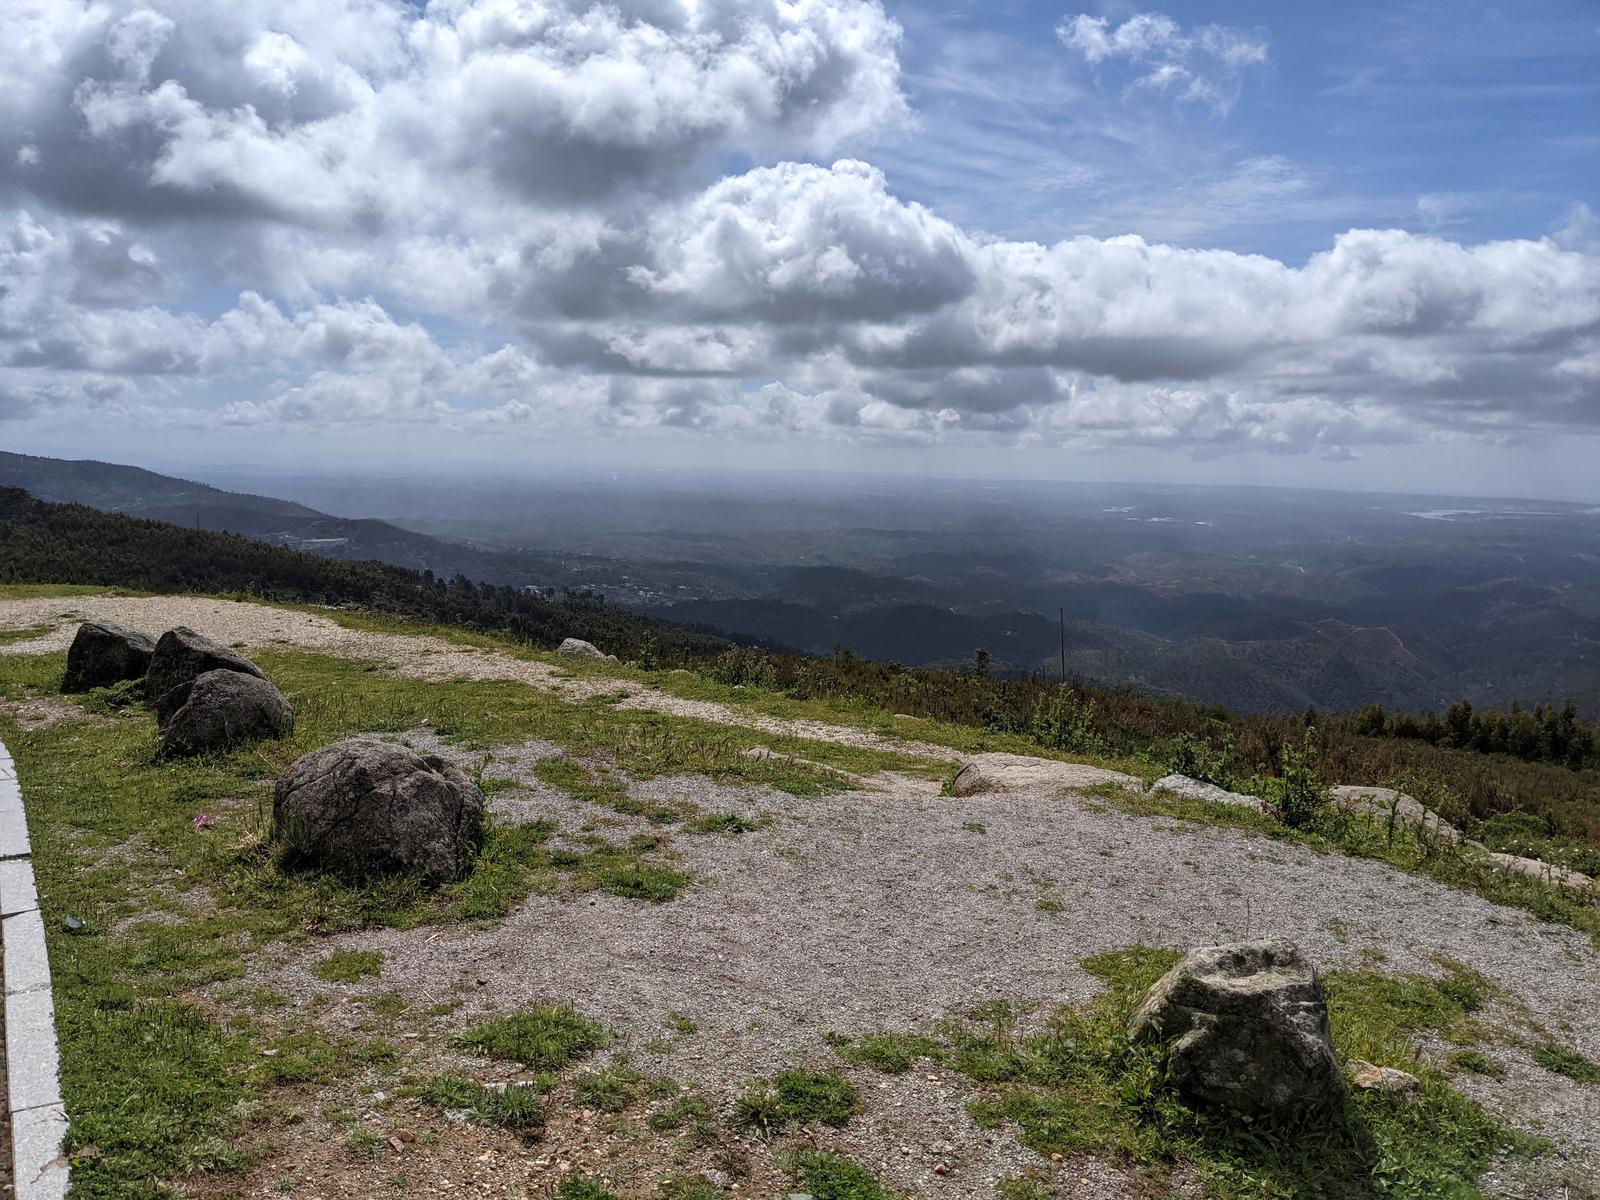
(865,911)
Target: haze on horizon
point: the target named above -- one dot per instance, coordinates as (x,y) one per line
(1227,243)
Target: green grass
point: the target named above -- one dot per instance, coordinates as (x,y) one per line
(155,1088)
(1078,1085)
(347,966)
(891,1053)
(581,1187)
(545,1037)
(1564,1060)
(25,634)
(795,1098)
(829,1177)
(517,1106)
(617,1087)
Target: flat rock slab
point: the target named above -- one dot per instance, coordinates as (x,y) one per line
(1195,789)
(987,773)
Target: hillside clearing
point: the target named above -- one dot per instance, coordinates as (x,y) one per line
(809,911)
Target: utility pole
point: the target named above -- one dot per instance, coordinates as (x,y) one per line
(1062,613)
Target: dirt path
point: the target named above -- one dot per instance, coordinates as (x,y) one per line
(259,625)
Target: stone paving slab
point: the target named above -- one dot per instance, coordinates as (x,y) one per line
(17,891)
(36,1136)
(33,1057)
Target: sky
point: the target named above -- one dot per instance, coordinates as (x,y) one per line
(1350,245)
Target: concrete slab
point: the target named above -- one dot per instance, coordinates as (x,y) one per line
(41,1167)
(17,891)
(31,1051)
(27,962)
(13,825)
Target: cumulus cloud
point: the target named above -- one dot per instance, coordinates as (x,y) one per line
(503,215)
(1205,65)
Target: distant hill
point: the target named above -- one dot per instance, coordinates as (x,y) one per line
(42,542)
(135,492)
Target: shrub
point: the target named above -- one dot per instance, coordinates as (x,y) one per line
(1065,722)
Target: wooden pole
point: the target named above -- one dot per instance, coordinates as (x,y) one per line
(1062,613)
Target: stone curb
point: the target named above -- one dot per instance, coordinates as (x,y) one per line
(33,1060)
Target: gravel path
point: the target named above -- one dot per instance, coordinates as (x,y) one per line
(858,912)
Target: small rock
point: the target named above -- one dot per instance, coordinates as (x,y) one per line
(578,648)
(1368,1077)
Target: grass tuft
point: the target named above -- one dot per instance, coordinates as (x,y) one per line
(795,1098)
(347,966)
(546,1037)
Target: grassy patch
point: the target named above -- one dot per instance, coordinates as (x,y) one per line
(617,1087)
(581,1187)
(545,1037)
(829,1177)
(723,823)
(169,867)
(795,1098)
(347,966)
(26,634)
(518,1106)
(1564,1060)
(1078,1085)
(891,1053)
(690,1114)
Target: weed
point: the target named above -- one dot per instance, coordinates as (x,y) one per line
(796,1097)
(892,1053)
(518,1106)
(581,1187)
(347,966)
(1475,1062)
(610,1090)
(1565,1061)
(545,1037)
(365,1143)
(691,1114)
(829,1177)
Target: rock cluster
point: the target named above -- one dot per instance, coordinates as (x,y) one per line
(207,698)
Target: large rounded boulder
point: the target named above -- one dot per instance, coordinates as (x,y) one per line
(364,808)
(104,653)
(181,656)
(1245,1027)
(223,709)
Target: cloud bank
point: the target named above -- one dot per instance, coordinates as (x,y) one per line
(649,215)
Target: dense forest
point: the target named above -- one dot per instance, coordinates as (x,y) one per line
(1541,764)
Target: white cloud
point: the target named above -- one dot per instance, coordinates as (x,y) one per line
(1205,65)
(521,217)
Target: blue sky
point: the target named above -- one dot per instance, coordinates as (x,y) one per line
(1469,120)
(1349,245)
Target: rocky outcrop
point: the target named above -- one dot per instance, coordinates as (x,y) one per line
(364,808)
(578,648)
(224,709)
(1195,789)
(1245,1026)
(1536,868)
(104,653)
(1001,773)
(1386,803)
(181,657)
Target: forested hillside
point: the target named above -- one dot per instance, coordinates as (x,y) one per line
(71,543)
